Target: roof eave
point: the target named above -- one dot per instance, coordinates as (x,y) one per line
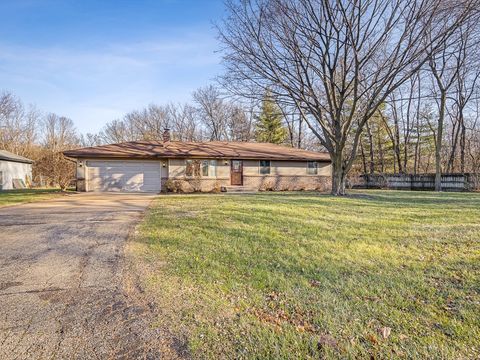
(160,156)
(26,161)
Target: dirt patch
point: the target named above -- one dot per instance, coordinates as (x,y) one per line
(134,274)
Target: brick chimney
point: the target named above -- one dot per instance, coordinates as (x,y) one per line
(166,135)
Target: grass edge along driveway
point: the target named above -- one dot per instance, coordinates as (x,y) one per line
(302,275)
(14,197)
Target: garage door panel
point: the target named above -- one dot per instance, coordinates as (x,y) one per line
(137,176)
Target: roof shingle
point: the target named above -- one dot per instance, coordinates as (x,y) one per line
(213,149)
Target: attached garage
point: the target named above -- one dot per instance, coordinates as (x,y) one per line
(127,175)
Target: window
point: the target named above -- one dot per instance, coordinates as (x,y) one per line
(205,167)
(192,168)
(209,168)
(312,168)
(264,167)
(213,168)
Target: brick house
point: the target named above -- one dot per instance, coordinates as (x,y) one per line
(153,166)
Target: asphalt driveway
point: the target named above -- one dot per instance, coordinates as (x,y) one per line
(62,293)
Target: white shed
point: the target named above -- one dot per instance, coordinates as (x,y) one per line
(15,171)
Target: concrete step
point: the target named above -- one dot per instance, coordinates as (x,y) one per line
(239,189)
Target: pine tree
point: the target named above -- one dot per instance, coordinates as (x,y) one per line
(269,127)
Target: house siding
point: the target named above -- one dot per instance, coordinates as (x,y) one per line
(287,175)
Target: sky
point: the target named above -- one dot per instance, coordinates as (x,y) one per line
(95,60)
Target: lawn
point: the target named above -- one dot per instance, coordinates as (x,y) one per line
(280,275)
(12,197)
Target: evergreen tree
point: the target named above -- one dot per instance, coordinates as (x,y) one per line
(269,127)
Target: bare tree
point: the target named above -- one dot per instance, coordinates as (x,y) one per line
(117,131)
(91,139)
(184,123)
(59,134)
(214,112)
(18,125)
(464,89)
(239,124)
(336,61)
(148,123)
(444,66)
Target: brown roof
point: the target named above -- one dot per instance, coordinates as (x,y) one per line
(213,149)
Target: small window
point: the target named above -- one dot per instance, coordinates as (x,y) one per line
(264,167)
(312,168)
(213,168)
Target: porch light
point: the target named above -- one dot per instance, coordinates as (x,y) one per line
(164,164)
(226,162)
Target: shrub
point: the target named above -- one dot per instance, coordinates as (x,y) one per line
(217,187)
(172,186)
(268,185)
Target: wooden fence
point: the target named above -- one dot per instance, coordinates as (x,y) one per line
(450,182)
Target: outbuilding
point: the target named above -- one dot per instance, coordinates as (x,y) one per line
(15,171)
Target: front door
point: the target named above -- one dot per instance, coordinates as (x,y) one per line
(236,172)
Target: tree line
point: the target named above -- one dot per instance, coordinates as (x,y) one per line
(210,116)
(342,64)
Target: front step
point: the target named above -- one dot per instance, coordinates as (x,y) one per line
(239,189)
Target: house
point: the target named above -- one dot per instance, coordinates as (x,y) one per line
(152,166)
(15,171)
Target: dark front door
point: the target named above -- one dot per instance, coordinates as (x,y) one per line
(236,172)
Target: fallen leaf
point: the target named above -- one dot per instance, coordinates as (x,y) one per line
(385,332)
(372,338)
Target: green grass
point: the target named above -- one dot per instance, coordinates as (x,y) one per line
(290,276)
(12,197)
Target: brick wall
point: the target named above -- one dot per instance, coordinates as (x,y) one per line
(262,183)
(288,183)
(194,185)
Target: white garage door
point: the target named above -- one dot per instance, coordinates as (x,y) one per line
(137,176)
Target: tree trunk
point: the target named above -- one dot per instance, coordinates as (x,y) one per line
(371,150)
(462,144)
(364,161)
(416,164)
(397,145)
(338,175)
(300,128)
(453,151)
(438,142)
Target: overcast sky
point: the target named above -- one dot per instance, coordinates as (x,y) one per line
(95,60)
